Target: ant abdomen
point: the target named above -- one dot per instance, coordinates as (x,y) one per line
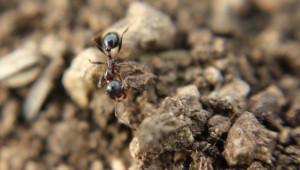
(115,90)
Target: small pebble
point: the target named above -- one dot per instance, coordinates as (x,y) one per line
(213,76)
(218,125)
(191,90)
(248,140)
(117,164)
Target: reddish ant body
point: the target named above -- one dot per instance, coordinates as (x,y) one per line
(114,89)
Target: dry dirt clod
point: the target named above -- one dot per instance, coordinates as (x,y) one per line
(266,106)
(149,29)
(190,90)
(237,90)
(218,125)
(215,103)
(171,128)
(248,140)
(256,165)
(163,132)
(201,161)
(82,76)
(231,96)
(205,51)
(213,76)
(67,137)
(136,76)
(165,61)
(163,64)
(189,107)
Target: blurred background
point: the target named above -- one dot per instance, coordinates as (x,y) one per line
(41,127)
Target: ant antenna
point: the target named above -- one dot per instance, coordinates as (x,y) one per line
(97,41)
(120,44)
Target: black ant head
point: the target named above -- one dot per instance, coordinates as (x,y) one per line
(114,89)
(111,40)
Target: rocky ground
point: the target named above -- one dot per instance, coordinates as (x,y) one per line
(210,84)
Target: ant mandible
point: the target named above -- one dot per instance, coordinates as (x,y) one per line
(110,43)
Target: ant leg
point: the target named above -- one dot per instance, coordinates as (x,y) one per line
(122,64)
(117,74)
(119,77)
(101,81)
(96,62)
(124,95)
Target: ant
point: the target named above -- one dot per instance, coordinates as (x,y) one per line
(106,44)
(111,42)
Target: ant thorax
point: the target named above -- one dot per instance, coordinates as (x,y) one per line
(109,74)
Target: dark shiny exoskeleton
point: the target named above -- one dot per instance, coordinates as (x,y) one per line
(110,42)
(110,78)
(114,89)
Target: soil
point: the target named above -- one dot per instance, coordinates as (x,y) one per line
(209,84)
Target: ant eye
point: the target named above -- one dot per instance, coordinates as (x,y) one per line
(110,41)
